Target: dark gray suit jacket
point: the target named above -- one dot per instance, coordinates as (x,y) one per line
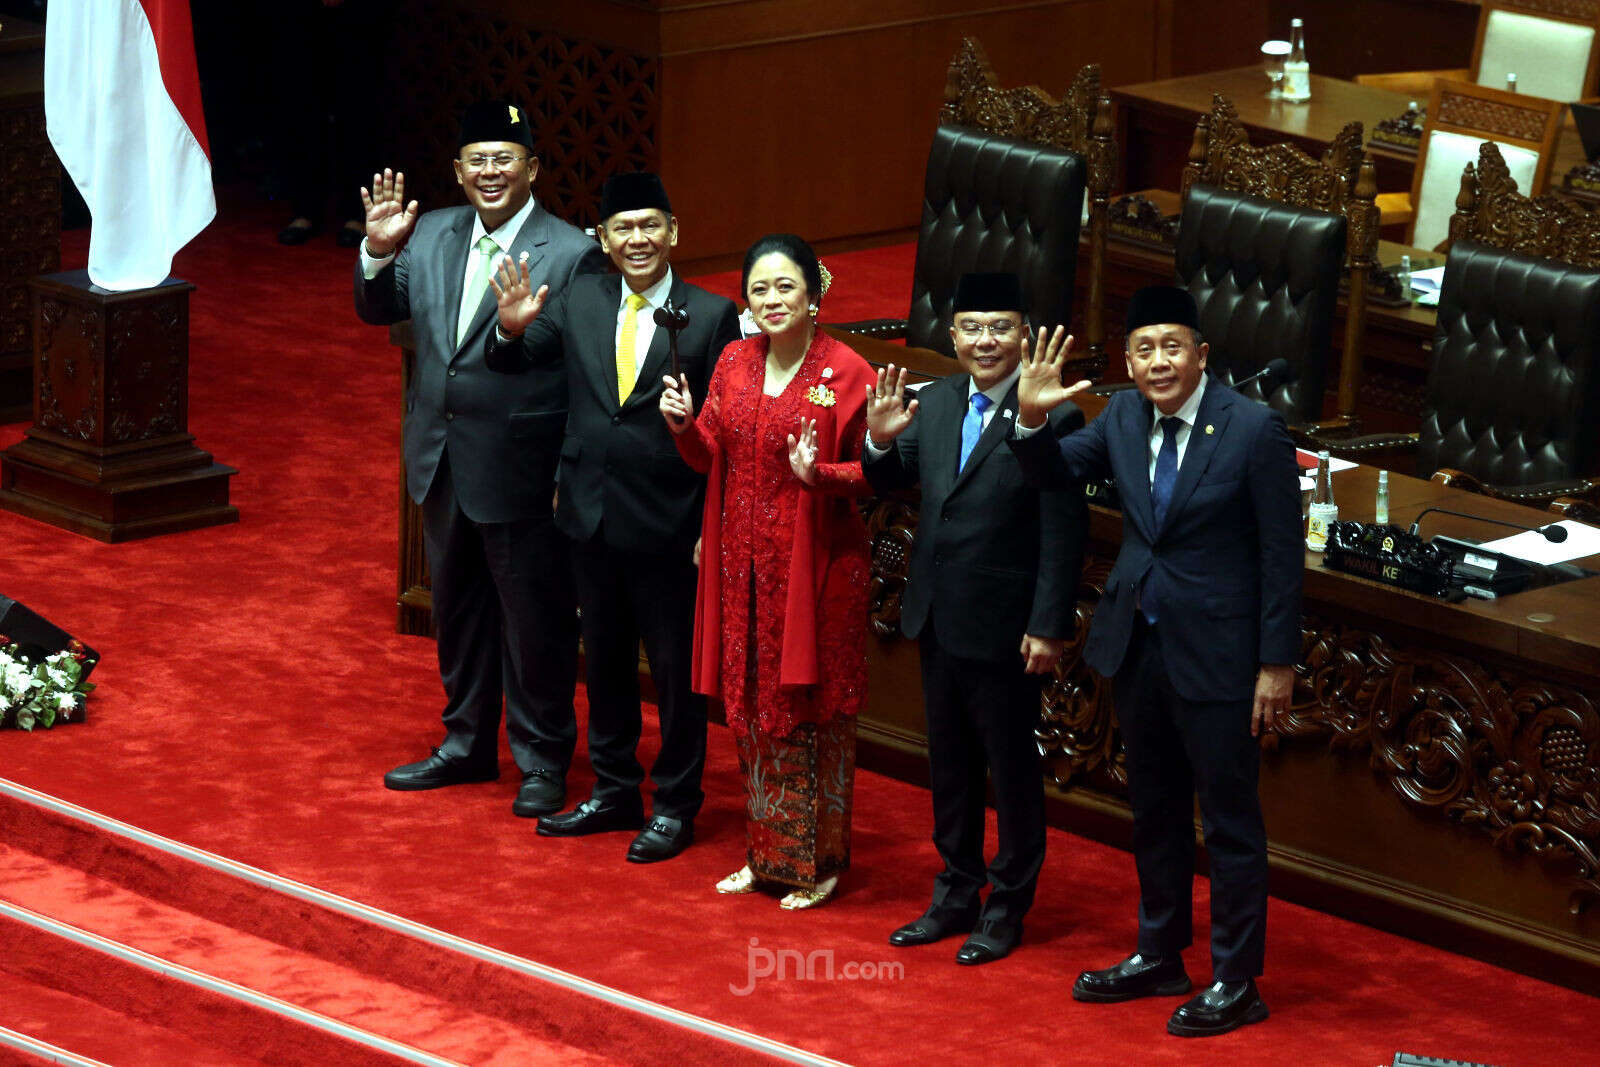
(503,434)
(994,559)
(620,471)
(1228,559)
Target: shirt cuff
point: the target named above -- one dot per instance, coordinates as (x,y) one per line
(371,265)
(1022,433)
(874,449)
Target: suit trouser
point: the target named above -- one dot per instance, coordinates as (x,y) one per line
(626,597)
(506,618)
(1178,748)
(981,717)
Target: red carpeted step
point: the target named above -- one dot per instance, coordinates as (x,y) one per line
(86,1028)
(228,1029)
(444,1027)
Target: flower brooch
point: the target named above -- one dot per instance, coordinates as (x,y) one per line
(820,394)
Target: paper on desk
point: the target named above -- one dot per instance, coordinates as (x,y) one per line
(1308,460)
(1532,546)
(1427,281)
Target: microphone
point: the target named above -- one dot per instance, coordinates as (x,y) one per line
(1274,372)
(1554,533)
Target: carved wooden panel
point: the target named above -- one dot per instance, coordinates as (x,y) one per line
(891,529)
(1223,156)
(147,370)
(596,108)
(1491,211)
(30,217)
(1493,117)
(68,384)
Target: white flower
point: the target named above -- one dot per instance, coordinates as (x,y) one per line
(18,679)
(66,703)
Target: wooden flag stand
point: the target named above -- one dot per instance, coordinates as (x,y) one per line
(109,454)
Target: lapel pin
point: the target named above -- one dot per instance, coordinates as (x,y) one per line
(1007,413)
(827,372)
(1210,428)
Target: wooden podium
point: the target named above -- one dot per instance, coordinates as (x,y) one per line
(109,454)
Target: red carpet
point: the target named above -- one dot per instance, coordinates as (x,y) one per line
(253,693)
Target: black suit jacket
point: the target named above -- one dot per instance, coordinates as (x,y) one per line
(502,435)
(993,559)
(620,471)
(1229,557)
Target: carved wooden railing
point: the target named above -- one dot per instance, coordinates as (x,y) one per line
(1081,122)
(1343,181)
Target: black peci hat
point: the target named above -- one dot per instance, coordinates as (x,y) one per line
(494,120)
(1155,305)
(637,191)
(995,291)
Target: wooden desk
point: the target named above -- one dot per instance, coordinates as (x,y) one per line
(1155,122)
(1436,775)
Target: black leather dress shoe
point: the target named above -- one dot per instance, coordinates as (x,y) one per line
(296,235)
(1137,976)
(990,940)
(437,771)
(542,793)
(591,817)
(1219,1008)
(933,926)
(349,236)
(661,839)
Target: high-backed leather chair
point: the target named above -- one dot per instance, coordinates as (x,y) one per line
(1513,393)
(1012,175)
(1552,48)
(1262,239)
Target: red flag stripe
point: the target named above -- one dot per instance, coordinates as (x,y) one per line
(174,34)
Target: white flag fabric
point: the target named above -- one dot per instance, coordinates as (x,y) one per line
(122,108)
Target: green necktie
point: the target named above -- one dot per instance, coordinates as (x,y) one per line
(477,282)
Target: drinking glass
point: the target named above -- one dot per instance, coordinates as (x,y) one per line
(1273,54)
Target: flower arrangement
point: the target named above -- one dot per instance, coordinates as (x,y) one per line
(45,691)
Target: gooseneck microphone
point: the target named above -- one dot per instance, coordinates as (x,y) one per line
(1554,532)
(1272,374)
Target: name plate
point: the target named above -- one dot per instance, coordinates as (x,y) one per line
(1390,555)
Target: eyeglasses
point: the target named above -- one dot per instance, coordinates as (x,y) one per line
(974,331)
(503,161)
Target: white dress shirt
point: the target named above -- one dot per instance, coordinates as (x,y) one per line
(1188,412)
(503,235)
(645,321)
(996,393)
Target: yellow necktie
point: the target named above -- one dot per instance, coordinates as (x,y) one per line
(627,370)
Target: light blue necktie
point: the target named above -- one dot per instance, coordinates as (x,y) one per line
(972,426)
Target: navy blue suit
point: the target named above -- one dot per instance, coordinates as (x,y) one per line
(1222,573)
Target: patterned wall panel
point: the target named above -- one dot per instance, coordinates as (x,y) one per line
(596,107)
(30,217)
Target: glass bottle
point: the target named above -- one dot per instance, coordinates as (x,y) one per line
(1380,512)
(1404,277)
(1323,512)
(1296,71)
(1511,83)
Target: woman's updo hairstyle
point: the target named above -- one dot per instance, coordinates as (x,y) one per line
(793,247)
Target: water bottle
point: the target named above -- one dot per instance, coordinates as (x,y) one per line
(1323,512)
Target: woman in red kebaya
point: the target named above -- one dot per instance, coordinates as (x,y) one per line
(781,615)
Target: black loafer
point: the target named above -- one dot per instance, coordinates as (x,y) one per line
(349,236)
(990,940)
(542,793)
(934,926)
(1219,1008)
(295,235)
(437,771)
(662,839)
(591,817)
(1137,976)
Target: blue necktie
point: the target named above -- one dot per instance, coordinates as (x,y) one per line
(1160,497)
(1166,468)
(972,426)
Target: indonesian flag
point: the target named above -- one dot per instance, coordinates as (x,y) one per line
(122,107)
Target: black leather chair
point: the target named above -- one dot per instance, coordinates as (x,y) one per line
(1265,276)
(989,204)
(1513,397)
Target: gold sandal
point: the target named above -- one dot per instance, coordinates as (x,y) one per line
(801,899)
(741,881)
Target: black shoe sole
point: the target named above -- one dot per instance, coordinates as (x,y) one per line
(1256,1013)
(413,785)
(1175,988)
(635,857)
(524,810)
(585,831)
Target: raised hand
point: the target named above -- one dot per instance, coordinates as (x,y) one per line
(1040,389)
(389,217)
(888,414)
(519,304)
(677,407)
(803,452)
